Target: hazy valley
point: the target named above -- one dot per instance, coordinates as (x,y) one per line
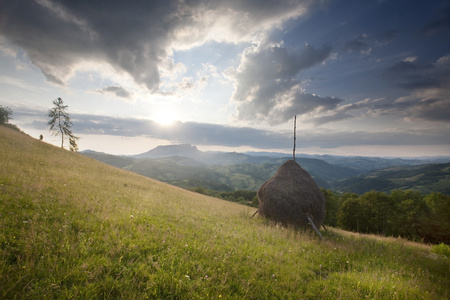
(187,167)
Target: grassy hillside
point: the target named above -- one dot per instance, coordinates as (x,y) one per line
(424,178)
(72,227)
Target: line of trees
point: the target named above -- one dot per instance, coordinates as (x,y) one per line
(408,214)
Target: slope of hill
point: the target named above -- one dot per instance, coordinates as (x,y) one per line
(173,173)
(245,172)
(187,172)
(112,160)
(359,164)
(424,178)
(365,164)
(72,227)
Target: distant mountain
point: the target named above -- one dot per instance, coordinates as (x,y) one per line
(210,158)
(363,163)
(269,154)
(182,161)
(224,172)
(186,166)
(424,178)
(325,171)
(184,150)
(358,163)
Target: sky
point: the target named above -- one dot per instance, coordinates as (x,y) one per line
(368,78)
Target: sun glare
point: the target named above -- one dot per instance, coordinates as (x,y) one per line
(165,117)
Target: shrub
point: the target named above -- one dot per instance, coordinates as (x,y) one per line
(441,249)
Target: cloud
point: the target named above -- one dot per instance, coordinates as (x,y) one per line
(117,91)
(360,109)
(330,118)
(332,139)
(267,87)
(203,134)
(428,86)
(7,49)
(12,81)
(386,37)
(358,45)
(409,74)
(440,24)
(179,132)
(429,105)
(136,38)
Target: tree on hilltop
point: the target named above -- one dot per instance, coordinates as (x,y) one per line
(5,114)
(61,125)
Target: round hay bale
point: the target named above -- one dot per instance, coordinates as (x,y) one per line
(291,196)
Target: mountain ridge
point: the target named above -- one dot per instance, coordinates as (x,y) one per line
(424,178)
(187,167)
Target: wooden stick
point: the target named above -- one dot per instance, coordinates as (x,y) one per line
(314,226)
(295,129)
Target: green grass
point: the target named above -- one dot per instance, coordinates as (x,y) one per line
(71,227)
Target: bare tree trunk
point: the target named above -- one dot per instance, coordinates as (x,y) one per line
(61,130)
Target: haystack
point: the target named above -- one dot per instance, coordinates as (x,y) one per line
(291,196)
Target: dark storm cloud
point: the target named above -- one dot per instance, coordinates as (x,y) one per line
(58,35)
(440,24)
(429,88)
(267,87)
(135,37)
(412,75)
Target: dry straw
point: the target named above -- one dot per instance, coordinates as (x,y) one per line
(291,196)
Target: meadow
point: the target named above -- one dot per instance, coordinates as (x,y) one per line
(74,228)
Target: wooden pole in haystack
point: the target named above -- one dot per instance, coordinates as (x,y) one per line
(295,129)
(292,197)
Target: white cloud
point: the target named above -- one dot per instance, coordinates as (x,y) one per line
(6,49)
(410,59)
(267,87)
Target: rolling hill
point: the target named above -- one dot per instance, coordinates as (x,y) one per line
(231,171)
(424,178)
(75,228)
(187,167)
